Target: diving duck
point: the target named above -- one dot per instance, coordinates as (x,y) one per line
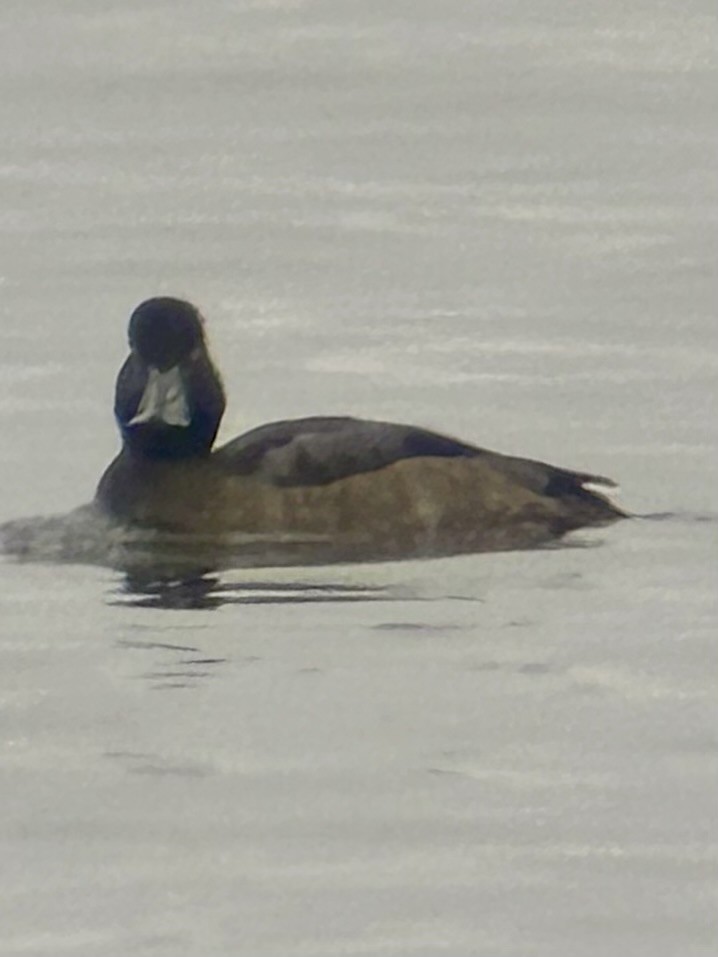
(379,489)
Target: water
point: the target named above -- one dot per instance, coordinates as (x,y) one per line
(493,220)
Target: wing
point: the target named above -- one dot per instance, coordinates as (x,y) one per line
(319,450)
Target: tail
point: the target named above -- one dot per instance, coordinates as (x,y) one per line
(570,488)
(577,486)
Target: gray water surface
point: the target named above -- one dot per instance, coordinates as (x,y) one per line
(495,220)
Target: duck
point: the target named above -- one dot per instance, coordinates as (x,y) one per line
(372,489)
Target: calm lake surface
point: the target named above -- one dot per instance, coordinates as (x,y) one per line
(495,220)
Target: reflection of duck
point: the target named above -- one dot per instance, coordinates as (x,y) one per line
(393,490)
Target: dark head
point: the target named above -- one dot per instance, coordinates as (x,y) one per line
(169,398)
(165,331)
